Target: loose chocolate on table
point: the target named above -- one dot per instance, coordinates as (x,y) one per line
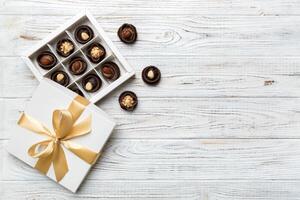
(128,100)
(91,83)
(65,47)
(151,75)
(77,66)
(96,52)
(60,77)
(110,71)
(83,34)
(46,60)
(76,90)
(127,33)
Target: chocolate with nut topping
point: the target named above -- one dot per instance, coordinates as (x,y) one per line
(77,66)
(128,100)
(127,33)
(96,52)
(83,34)
(110,71)
(60,77)
(65,47)
(46,60)
(91,83)
(151,75)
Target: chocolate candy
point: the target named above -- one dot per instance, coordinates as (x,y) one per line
(77,66)
(60,77)
(65,47)
(46,60)
(128,100)
(127,33)
(151,75)
(76,90)
(91,83)
(83,34)
(110,71)
(96,52)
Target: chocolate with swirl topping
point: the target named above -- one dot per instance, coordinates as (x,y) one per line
(127,33)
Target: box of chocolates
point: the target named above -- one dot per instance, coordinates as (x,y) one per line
(81,57)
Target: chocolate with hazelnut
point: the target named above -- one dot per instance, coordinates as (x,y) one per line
(151,75)
(83,34)
(127,33)
(110,71)
(65,47)
(46,60)
(96,52)
(60,77)
(77,66)
(91,83)
(128,100)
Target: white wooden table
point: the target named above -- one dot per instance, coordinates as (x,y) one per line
(224,123)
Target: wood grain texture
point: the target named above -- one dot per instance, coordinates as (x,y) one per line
(192,77)
(158,118)
(153,8)
(222,124)
(192,190)
(182,159)
(172,35)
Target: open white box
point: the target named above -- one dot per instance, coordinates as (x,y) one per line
(67,31)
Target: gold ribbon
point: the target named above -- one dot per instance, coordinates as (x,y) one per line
(65,127)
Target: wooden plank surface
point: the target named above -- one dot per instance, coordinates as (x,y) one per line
(223,123)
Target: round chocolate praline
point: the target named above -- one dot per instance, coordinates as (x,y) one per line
(91,83)
(60,77)
(83,34)
(77,66)
(151,75)
(128,100)
(46,60)
(65,47)
(127,33)
(76,90)
(96,52)
(110,71)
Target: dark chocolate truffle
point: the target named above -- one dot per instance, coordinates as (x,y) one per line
(77,66)
(46,60)
(83,34)
(60,77)
(110,71)
(91,83)
(128,100)
(96,52)
(127,33)
(151,75)
(65,47)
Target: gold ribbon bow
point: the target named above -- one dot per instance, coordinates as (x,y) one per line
(65,128)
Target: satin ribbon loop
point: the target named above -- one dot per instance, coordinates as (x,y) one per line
(65,127)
